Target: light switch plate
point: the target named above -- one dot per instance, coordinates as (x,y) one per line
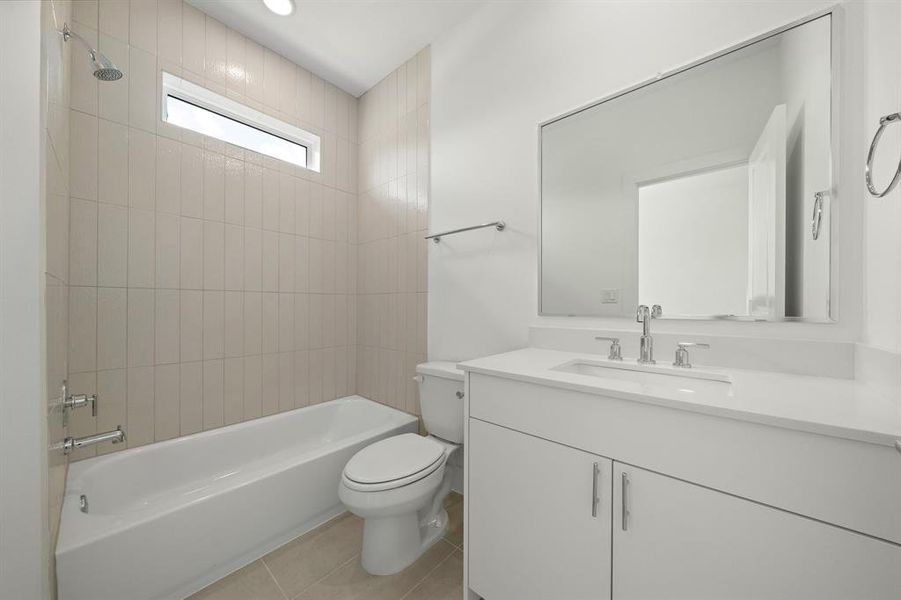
(610,296)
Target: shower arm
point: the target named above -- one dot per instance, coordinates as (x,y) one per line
(69,34)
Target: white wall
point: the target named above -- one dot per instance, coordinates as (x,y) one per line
(679,221)
(24,543)
(514,65)
(882,244)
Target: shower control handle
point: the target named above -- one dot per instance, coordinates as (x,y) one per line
(74,401)
(70,402)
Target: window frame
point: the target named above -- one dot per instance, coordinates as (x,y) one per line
(206,99)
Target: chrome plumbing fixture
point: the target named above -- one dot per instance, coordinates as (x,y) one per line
(116,436)
(616,351)
(682,359)
(72,401)
(646,346)
(104,69)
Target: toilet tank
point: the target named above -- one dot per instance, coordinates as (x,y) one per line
(441,399)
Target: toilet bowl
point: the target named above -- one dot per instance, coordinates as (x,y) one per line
(398,485)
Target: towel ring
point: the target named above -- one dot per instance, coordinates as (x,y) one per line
(883,123)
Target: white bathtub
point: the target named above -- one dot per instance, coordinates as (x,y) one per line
(166,520)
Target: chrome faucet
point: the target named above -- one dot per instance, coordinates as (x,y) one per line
(116,436)
(646,346)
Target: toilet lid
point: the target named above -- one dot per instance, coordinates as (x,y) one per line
(394,458)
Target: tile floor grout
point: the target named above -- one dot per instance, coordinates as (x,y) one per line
(277,584)
(321,579)
(426,576)
(403,592)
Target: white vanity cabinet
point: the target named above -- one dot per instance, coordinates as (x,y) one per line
(539,521)
(716,508)
(681,540)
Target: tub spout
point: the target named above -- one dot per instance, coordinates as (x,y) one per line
(115,436)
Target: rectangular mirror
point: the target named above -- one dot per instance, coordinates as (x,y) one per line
(705,191)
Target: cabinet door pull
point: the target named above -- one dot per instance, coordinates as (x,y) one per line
(625,501)
(595,499)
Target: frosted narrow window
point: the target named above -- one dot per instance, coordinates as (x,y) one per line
(186,104)
(196,118)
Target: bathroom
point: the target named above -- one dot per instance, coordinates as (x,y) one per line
(391,299)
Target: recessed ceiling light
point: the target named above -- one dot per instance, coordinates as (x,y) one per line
(280,7)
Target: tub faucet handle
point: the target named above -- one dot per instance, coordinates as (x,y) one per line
(73,401)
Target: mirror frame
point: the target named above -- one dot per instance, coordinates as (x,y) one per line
(834,12)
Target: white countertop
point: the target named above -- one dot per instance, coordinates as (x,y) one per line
(836,407)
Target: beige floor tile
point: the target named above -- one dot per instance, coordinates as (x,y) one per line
(452,499)
(454,533)
(351,582)
(444,583)
(300,563)
(252,582)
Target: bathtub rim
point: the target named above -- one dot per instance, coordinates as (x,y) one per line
(89,528)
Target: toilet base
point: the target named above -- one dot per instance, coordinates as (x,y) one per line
(391,544)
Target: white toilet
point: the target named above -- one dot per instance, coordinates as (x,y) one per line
(398,485)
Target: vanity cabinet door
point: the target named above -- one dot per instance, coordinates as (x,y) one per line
(539,518)
(680,540)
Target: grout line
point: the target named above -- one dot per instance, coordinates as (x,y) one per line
(460,548)
(316,537)
(346,562)
(277,584)
(427,575)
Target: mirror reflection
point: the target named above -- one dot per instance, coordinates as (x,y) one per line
(706,191)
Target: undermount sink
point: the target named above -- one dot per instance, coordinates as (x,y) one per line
(690,381)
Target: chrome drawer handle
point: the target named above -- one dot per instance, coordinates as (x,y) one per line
(595,499)
(625,501)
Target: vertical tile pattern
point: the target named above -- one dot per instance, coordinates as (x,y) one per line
(189,259)
(392,220)
(71,234)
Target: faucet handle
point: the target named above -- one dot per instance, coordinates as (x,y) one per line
(643,312)
(682,359)
(616,352)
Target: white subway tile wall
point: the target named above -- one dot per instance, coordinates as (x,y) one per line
(209,284)
(392,280)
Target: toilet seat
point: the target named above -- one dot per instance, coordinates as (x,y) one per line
(394,462)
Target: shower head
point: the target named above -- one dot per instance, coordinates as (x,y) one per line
(104,69)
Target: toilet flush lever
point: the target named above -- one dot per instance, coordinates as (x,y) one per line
(460,395)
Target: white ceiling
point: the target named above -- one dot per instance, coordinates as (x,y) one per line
(351,43)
